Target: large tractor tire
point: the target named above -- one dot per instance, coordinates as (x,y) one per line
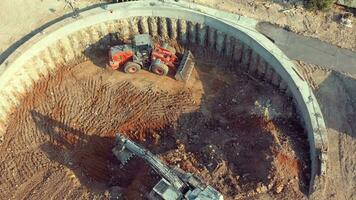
(160,68)
(131,67)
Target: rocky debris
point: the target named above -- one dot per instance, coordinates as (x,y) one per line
(346,19)
(279,189)
(261,188)
(116,193)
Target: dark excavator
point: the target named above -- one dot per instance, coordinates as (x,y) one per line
(175,184)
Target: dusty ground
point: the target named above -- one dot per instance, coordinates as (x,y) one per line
(336,94)
(322,25)
(21,17)
(331,89)
(238,135)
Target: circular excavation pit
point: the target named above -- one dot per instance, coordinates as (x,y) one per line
(239,135)
(235,123)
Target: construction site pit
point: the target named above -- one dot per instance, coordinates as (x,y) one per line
(238,133)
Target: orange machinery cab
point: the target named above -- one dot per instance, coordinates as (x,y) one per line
(119,55)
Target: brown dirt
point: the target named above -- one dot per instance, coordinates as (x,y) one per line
(59,140)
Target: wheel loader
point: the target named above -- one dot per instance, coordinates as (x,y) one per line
(175,184)
(143,54)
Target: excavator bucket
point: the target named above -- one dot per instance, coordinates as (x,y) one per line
(185,67)
(122,154)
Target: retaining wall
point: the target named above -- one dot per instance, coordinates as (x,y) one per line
(69,42)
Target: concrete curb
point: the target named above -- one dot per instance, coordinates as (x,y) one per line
(230,34)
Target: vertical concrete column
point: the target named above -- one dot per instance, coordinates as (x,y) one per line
(220,41)
(202,35)
(228,43)
(29,75)
(116,25)
(124,32)
(2,120)
(78,44)
(152,26)
(143,25)
(269,73)
(182,31)
(55,55)
(261,67)
(110,27)
(211,38)
(102,32)
(254,61)
(4,110)
(283,85)
(103,29)
(83,40)
(276,79)
(93,34)
(133,26)
(40,67)
(237,52)
(172,28)
(246,55)
(192,34)
(10,98)
(48,61)
(111,32)
(162,27)
(67,49)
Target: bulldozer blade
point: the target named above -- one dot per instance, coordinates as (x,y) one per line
(123,155)
(185,67)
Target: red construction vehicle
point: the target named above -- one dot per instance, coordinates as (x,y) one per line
(155,58)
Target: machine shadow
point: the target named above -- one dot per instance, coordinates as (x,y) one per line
(98,51)
(221,141)
(88,156)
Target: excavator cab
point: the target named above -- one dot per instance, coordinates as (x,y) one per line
(142,45)
(143,41)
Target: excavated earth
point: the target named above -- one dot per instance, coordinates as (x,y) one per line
(237,133)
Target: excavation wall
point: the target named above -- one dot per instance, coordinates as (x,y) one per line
(72,41)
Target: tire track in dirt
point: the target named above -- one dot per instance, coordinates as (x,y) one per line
(64,129)
(88,106)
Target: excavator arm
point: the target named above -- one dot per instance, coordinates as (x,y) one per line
(126,148)
(175,183)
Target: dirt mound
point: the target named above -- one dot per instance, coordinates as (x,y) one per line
(239,137)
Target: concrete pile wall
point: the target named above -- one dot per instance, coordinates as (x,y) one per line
(71,41)
(348,3)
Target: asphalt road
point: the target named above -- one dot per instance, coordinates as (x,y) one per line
(310,50)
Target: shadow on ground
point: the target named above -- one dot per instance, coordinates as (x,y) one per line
(230,145)
(88,156)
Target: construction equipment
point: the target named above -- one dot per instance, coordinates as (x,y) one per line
(159,59)
(175,184)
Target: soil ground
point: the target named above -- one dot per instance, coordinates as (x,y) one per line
(239,135)
(336,95)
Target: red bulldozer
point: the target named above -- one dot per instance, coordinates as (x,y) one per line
(159,59)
